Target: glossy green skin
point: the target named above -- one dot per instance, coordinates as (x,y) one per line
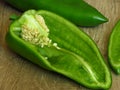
(78,57)
(77,11)
(114,48)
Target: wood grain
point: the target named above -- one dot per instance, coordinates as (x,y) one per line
(16,73)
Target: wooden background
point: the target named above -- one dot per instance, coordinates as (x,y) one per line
(16,73)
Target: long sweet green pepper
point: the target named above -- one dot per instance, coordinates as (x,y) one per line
(77,11)
(55,44)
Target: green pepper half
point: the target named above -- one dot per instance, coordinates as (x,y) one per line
(55,44)
(77,11)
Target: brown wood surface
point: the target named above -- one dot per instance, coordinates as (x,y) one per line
(16,73)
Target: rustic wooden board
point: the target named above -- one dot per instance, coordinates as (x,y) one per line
(16,73)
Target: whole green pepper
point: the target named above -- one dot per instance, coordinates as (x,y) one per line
(57,45)
(77,11)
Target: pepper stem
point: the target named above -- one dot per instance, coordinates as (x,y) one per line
(13,17)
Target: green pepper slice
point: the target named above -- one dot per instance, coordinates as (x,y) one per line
(55,44)
(114,48)
(77,11)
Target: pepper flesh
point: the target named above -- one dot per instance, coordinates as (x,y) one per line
(77,11)
(76,55)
